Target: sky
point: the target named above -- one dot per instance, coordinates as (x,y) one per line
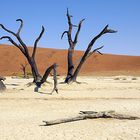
(121,15)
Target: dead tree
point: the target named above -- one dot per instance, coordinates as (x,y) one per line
(23,68)
(38,79)
(72,72)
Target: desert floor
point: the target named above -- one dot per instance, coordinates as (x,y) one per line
(22,110)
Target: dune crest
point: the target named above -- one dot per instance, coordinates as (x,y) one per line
(106,64)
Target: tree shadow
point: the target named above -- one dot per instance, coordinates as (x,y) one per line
(12,84)
(47,93)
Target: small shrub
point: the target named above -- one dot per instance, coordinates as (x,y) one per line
(123,78)
(117,78)
(134,78)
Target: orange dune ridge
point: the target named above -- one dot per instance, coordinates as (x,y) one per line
(107,64)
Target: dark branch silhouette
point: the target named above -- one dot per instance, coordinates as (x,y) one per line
(38,79)
(21,25)
(73,72)
(2,85)
(36,41)
(72,44)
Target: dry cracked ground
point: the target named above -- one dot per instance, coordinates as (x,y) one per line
(22,110)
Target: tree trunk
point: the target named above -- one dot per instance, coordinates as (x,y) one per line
(24,72)
(74,77)
(37,77)
(70,65)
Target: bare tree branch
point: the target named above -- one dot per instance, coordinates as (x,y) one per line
(99,52)
(104,31)
(7,30)
(13,42)
(24,49)
(69,17)
(46,74)
(77,33)
(64,33)
(36,41)
(70,29)
(88,50)
(95,50)
(21,25)
(23,45)
(17,36)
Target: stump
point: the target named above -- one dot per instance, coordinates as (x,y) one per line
(2,86)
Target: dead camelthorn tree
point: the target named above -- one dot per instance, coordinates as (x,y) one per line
(23,68)
(72,72)
(38,79)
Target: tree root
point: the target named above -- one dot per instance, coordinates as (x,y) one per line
(91,115)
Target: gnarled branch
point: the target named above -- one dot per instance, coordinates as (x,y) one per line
(104,31)
(45,76)
(95,50)
(20,27)
(70,29)
(77,33)
(17,36)
(65,32)
(7,30)
(88,50)
(13,42)
(69,17)
(36,41)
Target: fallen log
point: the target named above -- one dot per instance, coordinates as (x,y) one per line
(83,115)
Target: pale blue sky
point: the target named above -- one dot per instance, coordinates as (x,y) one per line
(121,15)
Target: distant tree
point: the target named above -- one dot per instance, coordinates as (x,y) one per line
(23,68)
(38,79)
(72,72)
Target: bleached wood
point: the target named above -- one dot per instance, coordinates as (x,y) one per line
(83,115)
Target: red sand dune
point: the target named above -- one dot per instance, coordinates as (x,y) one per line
(11,58)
